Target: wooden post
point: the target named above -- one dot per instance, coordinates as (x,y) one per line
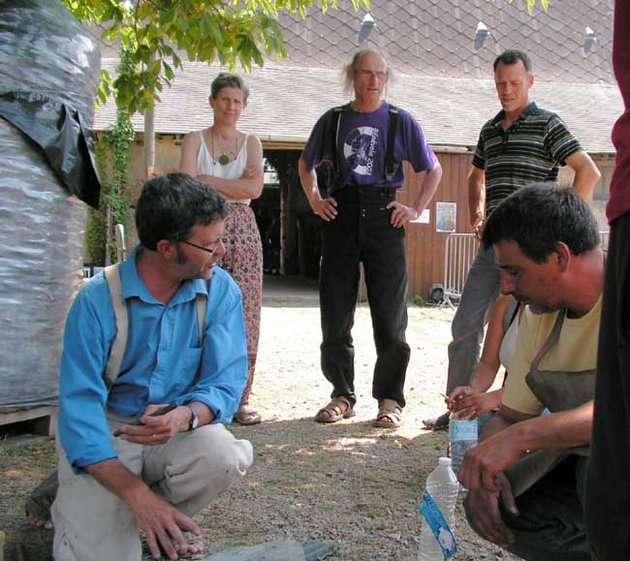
(149,140)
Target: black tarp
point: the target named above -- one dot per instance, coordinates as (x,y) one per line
(57,130)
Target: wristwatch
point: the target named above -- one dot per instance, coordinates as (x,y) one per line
(194,419)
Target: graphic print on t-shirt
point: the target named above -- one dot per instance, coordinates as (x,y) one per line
(359,149)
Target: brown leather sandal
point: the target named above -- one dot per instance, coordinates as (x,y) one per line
(389,414)
(338,408)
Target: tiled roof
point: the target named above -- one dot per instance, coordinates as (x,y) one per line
(437,37)
(440,76)
(286,101)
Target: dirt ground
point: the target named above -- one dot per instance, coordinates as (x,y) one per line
(349,483)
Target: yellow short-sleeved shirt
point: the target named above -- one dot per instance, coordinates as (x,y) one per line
(575,350)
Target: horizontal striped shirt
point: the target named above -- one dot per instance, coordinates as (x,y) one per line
(531,150)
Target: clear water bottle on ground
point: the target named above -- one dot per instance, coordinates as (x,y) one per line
(441,492)
(463,433)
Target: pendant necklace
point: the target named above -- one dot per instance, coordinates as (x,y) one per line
(224,158)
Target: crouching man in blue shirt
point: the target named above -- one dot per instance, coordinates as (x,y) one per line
(121,469)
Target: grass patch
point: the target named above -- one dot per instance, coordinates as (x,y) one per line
(40,450)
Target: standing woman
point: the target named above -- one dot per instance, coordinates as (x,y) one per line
(230,162)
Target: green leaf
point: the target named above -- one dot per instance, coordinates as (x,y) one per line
(104,87)
(148,31)
(168,71)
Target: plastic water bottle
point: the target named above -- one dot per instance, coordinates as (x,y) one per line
(463,433)
(442,486)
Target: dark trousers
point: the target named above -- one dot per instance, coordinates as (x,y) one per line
(362,233)
(608,482)
(550,526)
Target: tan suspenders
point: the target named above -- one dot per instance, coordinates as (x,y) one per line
(112,369)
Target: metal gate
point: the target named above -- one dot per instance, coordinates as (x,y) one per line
(459,253)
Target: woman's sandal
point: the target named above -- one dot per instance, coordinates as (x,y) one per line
(389,414)
(338,408)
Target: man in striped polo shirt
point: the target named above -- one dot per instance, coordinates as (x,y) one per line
(522,144)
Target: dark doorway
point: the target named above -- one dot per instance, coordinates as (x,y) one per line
(267,211)
(290,232)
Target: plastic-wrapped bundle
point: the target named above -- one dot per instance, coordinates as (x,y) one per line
(49,67)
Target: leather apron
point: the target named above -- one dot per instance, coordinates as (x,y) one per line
(558,391)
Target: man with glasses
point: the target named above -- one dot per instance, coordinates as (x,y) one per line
(362,146)
(128,463)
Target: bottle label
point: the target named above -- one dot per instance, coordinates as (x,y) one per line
(463,430)
(436,521)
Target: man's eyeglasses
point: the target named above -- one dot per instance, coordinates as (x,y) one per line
(369,73)
(206,249)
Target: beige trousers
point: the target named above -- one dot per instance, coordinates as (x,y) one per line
(189,471)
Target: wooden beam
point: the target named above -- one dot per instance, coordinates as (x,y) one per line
(31,414)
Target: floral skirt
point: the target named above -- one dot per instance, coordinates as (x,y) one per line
(243,260)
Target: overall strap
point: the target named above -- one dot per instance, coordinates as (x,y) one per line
(202,307)
(112,369)
(334,130)
(553,337)
(119,345)
(391,138)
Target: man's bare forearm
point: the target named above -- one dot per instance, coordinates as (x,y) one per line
(429,186)
(308,180)
(565,429)
(510,434)
(476,198)
(586,174)
(117,479)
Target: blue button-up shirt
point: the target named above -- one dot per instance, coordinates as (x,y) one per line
(164,361)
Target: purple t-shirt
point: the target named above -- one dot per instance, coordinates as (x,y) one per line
(362,147)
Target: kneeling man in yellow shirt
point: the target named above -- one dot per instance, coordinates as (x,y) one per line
(526,476)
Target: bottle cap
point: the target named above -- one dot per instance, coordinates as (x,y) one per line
(444,461)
